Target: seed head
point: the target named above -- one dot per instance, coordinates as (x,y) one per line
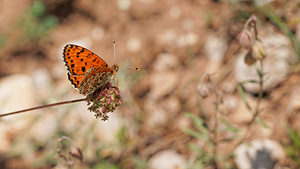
(104,100)
(245,39)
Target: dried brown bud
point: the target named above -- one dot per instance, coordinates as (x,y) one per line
(203,90)
(249,60)
(76,153)
(245,39)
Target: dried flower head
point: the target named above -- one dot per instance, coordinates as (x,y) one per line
(203,87)
(104,100)
(248,39)
(245,39)
(67,153)
(203,90)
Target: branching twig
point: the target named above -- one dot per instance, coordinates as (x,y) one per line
(215,130)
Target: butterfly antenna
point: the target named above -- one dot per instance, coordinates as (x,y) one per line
(134,68)
(114,44)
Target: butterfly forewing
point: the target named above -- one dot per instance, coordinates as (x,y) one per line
(79,59)
(75,80)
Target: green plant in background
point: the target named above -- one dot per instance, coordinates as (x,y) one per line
(2,40)
(140,163)
(207,157)
(36,22)
(269,12)
(293,149)
(202,157)
(105,165)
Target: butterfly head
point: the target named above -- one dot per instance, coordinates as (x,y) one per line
(115,68)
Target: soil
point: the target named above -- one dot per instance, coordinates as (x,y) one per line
(157,97)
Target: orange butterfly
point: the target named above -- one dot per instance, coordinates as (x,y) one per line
(87,71)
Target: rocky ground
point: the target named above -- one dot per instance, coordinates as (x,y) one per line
(164,121)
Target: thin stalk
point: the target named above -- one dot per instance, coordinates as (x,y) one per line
(260,94)
(41,107)
(215,131)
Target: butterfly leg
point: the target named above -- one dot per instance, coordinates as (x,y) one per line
(117,81)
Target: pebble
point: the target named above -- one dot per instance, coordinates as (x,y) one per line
(134,45)
(124,5)
(215,49)
(163,83)
(167,37)
(167,159)
(166,61)
(258,154)
(108,130)
(17,92)
(275,65)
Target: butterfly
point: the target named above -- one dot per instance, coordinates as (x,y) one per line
(87,71)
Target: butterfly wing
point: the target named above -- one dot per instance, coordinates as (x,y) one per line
(79,59)
(75,79)
(95,78)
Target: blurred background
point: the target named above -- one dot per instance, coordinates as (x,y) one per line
(172,116)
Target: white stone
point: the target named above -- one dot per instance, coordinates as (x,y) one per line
(167,159)
(124,5)
(187,39)
(163,83)
(107,130)
(187,24)
(215,49)
(5,142)
(167,37)
(16,93)
(147,1)
(294,103)
(175,12)
(43,82)
(258,154)
(166,61)
(275,71)
(44,128)
(134,45)
(98,33)
(275,66)
(157,117)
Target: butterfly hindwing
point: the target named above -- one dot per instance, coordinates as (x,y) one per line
(95,78)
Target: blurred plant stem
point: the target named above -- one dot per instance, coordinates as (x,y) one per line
(41,107)
(261,92)
(215,130)
(258,102)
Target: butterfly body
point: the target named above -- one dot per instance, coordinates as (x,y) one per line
(87,71)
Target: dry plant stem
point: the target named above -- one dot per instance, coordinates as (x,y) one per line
(41,107)
(256,111)
(260,94)
(215,131)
